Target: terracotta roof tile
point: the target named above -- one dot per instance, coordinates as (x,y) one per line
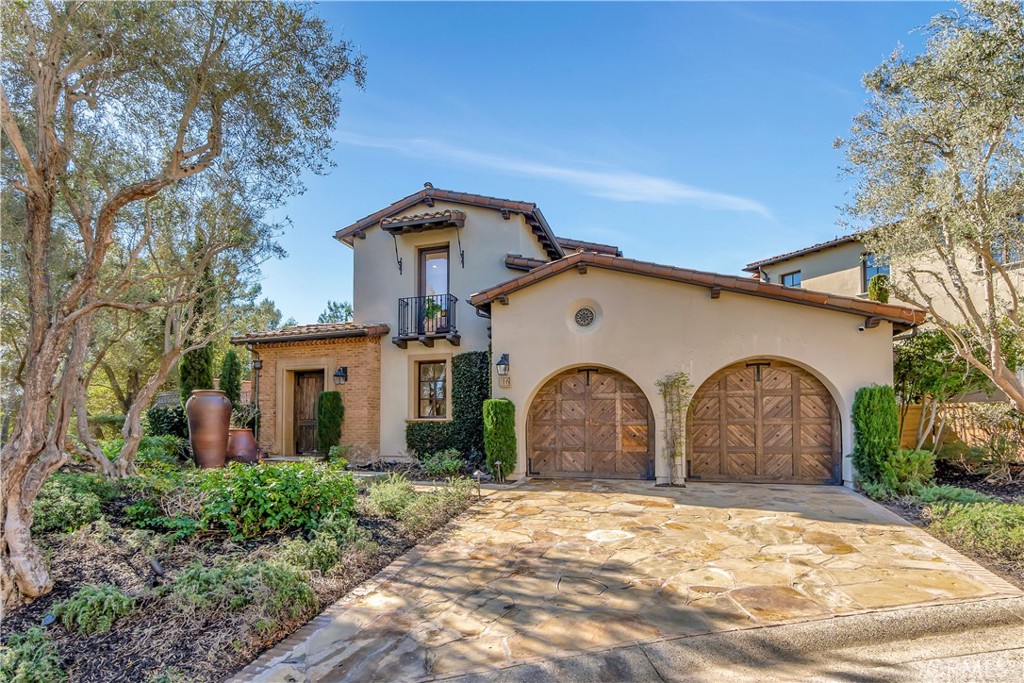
(317,331)
(520,262)
(570,244)
(900,314)
(451,214)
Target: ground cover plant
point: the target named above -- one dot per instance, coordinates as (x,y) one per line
(205,568)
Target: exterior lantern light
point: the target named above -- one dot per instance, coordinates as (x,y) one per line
(503,365)
(341,375)
(257,363)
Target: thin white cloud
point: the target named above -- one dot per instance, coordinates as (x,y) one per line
(619,185)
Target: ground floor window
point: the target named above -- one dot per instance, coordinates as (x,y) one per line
(431,389)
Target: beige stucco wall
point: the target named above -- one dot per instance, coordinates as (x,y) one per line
(486,239)
(837,269)
(649,328)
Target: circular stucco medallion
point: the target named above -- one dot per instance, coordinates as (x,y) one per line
(585,317)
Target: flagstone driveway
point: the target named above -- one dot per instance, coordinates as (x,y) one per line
(558,568)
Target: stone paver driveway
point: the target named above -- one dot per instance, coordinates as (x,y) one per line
(558,568)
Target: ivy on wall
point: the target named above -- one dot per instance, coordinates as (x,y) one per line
(471,386)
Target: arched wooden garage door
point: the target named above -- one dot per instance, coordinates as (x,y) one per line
(764,421)
(590,423)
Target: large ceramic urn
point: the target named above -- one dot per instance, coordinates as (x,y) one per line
(242,446)
(209,416)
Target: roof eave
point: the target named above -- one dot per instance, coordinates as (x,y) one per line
(239,341)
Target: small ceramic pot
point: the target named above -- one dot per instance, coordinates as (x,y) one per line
(242,446)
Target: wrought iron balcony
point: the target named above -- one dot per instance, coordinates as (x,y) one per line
(426,318)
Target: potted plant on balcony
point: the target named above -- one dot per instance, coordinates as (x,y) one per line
(242,446)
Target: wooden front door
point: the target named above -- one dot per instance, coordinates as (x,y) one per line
(590,423)
(308,386)
(764,421)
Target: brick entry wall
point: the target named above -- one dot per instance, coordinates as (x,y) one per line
(360,394)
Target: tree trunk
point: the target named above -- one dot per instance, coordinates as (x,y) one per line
(131,433)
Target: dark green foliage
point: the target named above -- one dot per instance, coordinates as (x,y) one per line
(69,500)
(94,609)
(231,377)
(995,529)
(500,436)
(167,421)
(443,462)
(31,657)
(271,591)
(471,386)
(108,425)
(928,367)
(146,514)
(195,369)
(950,494)
(428,436)
(878,288)
(248,501)
(907,471)
(336,312)
(330,414)
(875,430)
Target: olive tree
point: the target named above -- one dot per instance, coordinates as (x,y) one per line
(938,160)
(103,107)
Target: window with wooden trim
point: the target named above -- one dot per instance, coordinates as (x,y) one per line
(431,388)
(872,268)
(791,279)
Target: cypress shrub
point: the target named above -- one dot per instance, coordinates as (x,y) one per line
(875,430)
(330,413)
(500,436)
(471,386)
(231,377)
(195,371)
(878,288)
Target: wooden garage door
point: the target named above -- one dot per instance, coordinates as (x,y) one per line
(590,423)
(764,421)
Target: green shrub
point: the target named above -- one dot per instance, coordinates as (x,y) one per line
(272,591)
(471,386)
(877,490)
(338,455)
(146,514)
(94,609)
(907,471)
(69,500)
(108,425)
(330,413)
(392,495)
(31,657)
(345,530)
(248,501)
(195,371)
(428,436)
(321,553)
(162,451)
(875,430)
(995,529)
(429,511)
(169,421)
(171,674)
(447,462)
(950,494)
(878,288)
(231,377)
(500,436)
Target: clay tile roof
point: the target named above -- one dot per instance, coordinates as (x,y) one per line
(519,262)
(570,244)
(530,211)
(449,214)
(903,316)
(317,331)
(820,246)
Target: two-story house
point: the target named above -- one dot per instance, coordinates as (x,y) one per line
(581,339)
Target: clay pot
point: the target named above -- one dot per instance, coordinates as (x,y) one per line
(209,416)
(242,446)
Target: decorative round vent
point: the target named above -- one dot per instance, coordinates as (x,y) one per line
(585,317)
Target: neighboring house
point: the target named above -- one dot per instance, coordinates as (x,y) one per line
(587,335)
(841,265)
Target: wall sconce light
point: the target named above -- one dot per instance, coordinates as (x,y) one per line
(257,363)
(341,375)
(502,365)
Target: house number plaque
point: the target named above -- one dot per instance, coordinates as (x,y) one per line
(505,382)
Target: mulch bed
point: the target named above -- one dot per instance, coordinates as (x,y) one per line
(157,637)
(947,473)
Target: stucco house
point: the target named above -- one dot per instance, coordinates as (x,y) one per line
(584,335)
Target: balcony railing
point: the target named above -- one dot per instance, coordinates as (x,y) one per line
(425,318)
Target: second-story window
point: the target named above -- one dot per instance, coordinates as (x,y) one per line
(871,269)
(433,271)
(792,279)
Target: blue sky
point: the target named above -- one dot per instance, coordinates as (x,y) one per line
(694,134)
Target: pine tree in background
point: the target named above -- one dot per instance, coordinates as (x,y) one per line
(231,377)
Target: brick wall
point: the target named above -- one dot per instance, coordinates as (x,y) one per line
(360,394)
